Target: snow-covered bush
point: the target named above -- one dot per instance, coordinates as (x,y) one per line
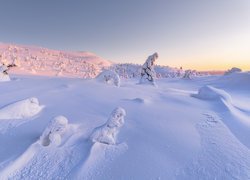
(52,135)
(148,74)
(4,76)
(109,77)
(233,70)
(107,133)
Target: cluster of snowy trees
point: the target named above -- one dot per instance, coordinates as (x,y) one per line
(42,61)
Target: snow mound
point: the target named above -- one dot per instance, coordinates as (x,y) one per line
(140,100)
(107,133)
(109,77)
(52,134)
(21,109)
(212,93)
(233,70)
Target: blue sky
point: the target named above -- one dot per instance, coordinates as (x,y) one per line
(201,34)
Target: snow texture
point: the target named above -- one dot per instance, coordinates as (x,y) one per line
(107,133)
(21,109)
(109,77)
(52,134)
(148,74)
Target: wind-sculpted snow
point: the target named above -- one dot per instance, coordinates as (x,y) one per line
(109,77)
(167,134)
(21,109)
(52,134)
(211,93)
(107,133)
(236,81)
(240,125)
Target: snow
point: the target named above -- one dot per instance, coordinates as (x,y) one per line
(148,73)
(21,109)
(195,129)
(107,133)
(109,77)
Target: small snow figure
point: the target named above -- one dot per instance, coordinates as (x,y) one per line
(4,76)
(109,77)
(54,131)
(107,133)
(148,73)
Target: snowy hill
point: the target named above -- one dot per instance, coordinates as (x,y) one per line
(84,129)
(42,61)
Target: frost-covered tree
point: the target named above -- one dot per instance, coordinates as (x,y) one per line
(187,75)
(147,72)
(107,133)
(52,135)
(109,77)
(4,76)
(233,70)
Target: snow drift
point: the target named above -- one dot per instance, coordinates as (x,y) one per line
(21,109)
(237,81)
(210,93)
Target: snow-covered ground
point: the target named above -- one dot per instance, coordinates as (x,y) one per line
(181,129)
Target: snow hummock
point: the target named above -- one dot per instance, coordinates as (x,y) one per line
(21,109)
(109,77)
(107,133)
(52,134)
(211,93)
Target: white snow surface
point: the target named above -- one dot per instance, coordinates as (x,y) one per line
(21,109)
(166,133)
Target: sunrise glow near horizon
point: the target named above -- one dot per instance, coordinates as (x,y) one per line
(194,34)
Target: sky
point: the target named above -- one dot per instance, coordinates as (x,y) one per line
(193,34)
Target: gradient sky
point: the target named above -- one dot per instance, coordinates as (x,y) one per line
(198,34)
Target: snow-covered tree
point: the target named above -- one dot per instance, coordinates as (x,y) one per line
(187,75)
(233,70)
(107,133)
(109,77)
(52,134)
(4,76)
(148,74)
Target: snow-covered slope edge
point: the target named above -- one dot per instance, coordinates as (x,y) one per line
(43,61)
